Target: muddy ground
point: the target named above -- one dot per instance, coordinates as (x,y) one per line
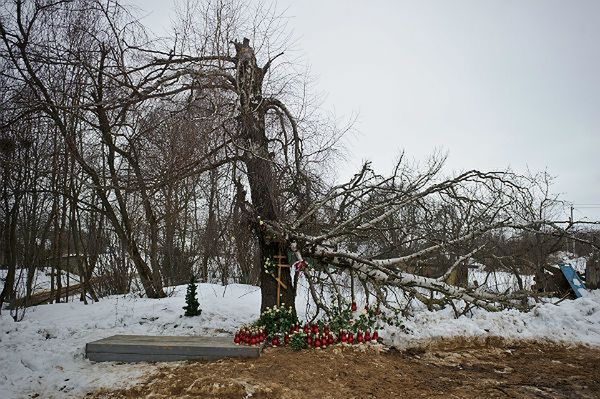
(454,368)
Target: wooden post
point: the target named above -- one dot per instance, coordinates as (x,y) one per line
(592,272)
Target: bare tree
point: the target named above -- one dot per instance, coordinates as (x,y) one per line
(82,62)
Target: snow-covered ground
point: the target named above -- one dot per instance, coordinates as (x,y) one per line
(571,321)
(44,353)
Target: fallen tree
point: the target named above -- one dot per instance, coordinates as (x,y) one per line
(380,230)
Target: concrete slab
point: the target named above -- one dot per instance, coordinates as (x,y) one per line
(146,348)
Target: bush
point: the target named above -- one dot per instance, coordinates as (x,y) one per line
(278,319)
(298,341)
(343,318)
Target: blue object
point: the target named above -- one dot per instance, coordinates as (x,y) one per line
(573,279)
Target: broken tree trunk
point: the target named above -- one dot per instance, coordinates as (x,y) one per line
(380,272)
(261,178)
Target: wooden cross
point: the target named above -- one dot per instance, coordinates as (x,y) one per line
(280,264)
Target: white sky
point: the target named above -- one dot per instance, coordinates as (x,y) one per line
(507,83)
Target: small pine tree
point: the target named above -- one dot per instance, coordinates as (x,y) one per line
(192,307)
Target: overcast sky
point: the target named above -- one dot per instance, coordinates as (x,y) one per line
(496,84)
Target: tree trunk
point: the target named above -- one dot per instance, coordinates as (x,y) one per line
(170,263)
(244,239)
(261,179)
(8,292)
(211,231)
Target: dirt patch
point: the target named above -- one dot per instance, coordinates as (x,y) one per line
(452,368)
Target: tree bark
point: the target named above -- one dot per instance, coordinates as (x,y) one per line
(261,178)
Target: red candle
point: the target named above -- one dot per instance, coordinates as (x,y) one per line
(343,336)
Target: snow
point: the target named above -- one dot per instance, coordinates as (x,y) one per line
(44,353)
(570,321)
(577,262)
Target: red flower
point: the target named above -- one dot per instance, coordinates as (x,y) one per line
(299,265)
(354,307)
